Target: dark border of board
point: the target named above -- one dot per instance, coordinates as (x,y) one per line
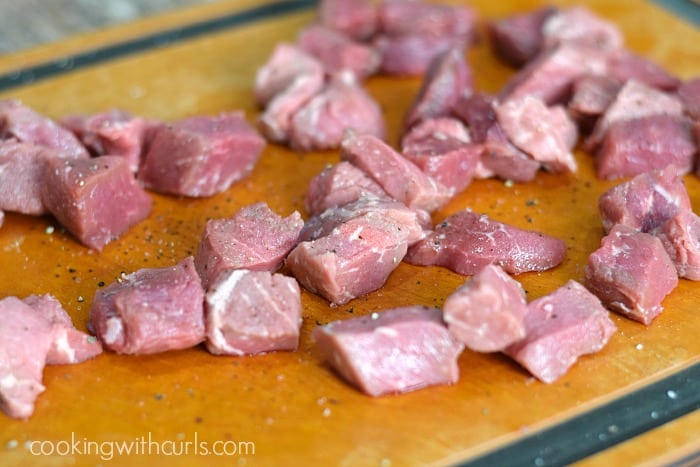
(564,443)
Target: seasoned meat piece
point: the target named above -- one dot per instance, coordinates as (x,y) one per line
(255,238)
(631,273)
(487,312)
(151,310)
(201,156)
(689,94)
(465,242)
(402,18)
(337,185)
(411,55)
(632,147)
(448,78)
(393,351)
(624,66)
(338,53)
(398,176)
(252,312)
(517,39)
(95,199)
(442,148)
(354,18)
(680,237)
(25,339)
(539,131)
(24,124)
(68,345)
(341,106)
(592,95)
(580,26)
(560,328)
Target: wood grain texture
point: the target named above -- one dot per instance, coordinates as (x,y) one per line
(291,405)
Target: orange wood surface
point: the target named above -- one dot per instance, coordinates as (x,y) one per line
(289,404)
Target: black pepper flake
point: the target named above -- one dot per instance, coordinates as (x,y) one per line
(198,419)
(351,310)
(72,270)
(101,284)
(158,396)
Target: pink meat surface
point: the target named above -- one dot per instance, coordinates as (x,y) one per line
(151,310)
(25,124)
(96,200)
(338,53)
(680,237)
(487,312)
(342,106)
(580,26)
(645,202)
(632,147)
(252,312)
(2,218)
(592,94)
(68,345)
(337,185)
(442,148)
(398,176)
(255,238)
(411,55)
(624,65)
(392,351)
(354,18)
(689,94)
(201,156)
(539,131)
(466,242)
(448,77)
(560,328)
(631,273)
(517,39)
(402,18)
(25,340)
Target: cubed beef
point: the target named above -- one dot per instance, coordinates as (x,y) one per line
(151,310)
(398,176)
(25,339)
(689,94)
(342,106)
(551,75)
(68,345)
(354,18)
(625,65)
(580,26)
(680,237)
(402,18)
(353,259)
(487,312)
(339,184)
(448,77)
(255,238)
(338,53)
(560,328)
(635,100)
(631,273)
(517,39)
(499,157)
(111,133)
(411,55)
(645,202)
(632,147)
(392,351)
(442,148)
(539,131)
(465,242)
(252,312)
(96,200)
(24,124)
(201,156)
(592,94)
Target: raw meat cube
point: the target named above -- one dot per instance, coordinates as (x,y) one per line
(25,339)
(252,312)
(624,65)
(201,156)
(411,55)
(465,242)
(631,273)
(398,176)
(580,26)
(517,39)
(689,94)
(402,18)
(354,18)
(680,237)
(592,95)
(560,328)
(632,147)
(151,310)
(96,199)
(393,351)
(68,345)
(337,185)
(255,238)
(24,124)
(487,313)
(341,106)
(442,148)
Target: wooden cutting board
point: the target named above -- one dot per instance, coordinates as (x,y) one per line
(288,407)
